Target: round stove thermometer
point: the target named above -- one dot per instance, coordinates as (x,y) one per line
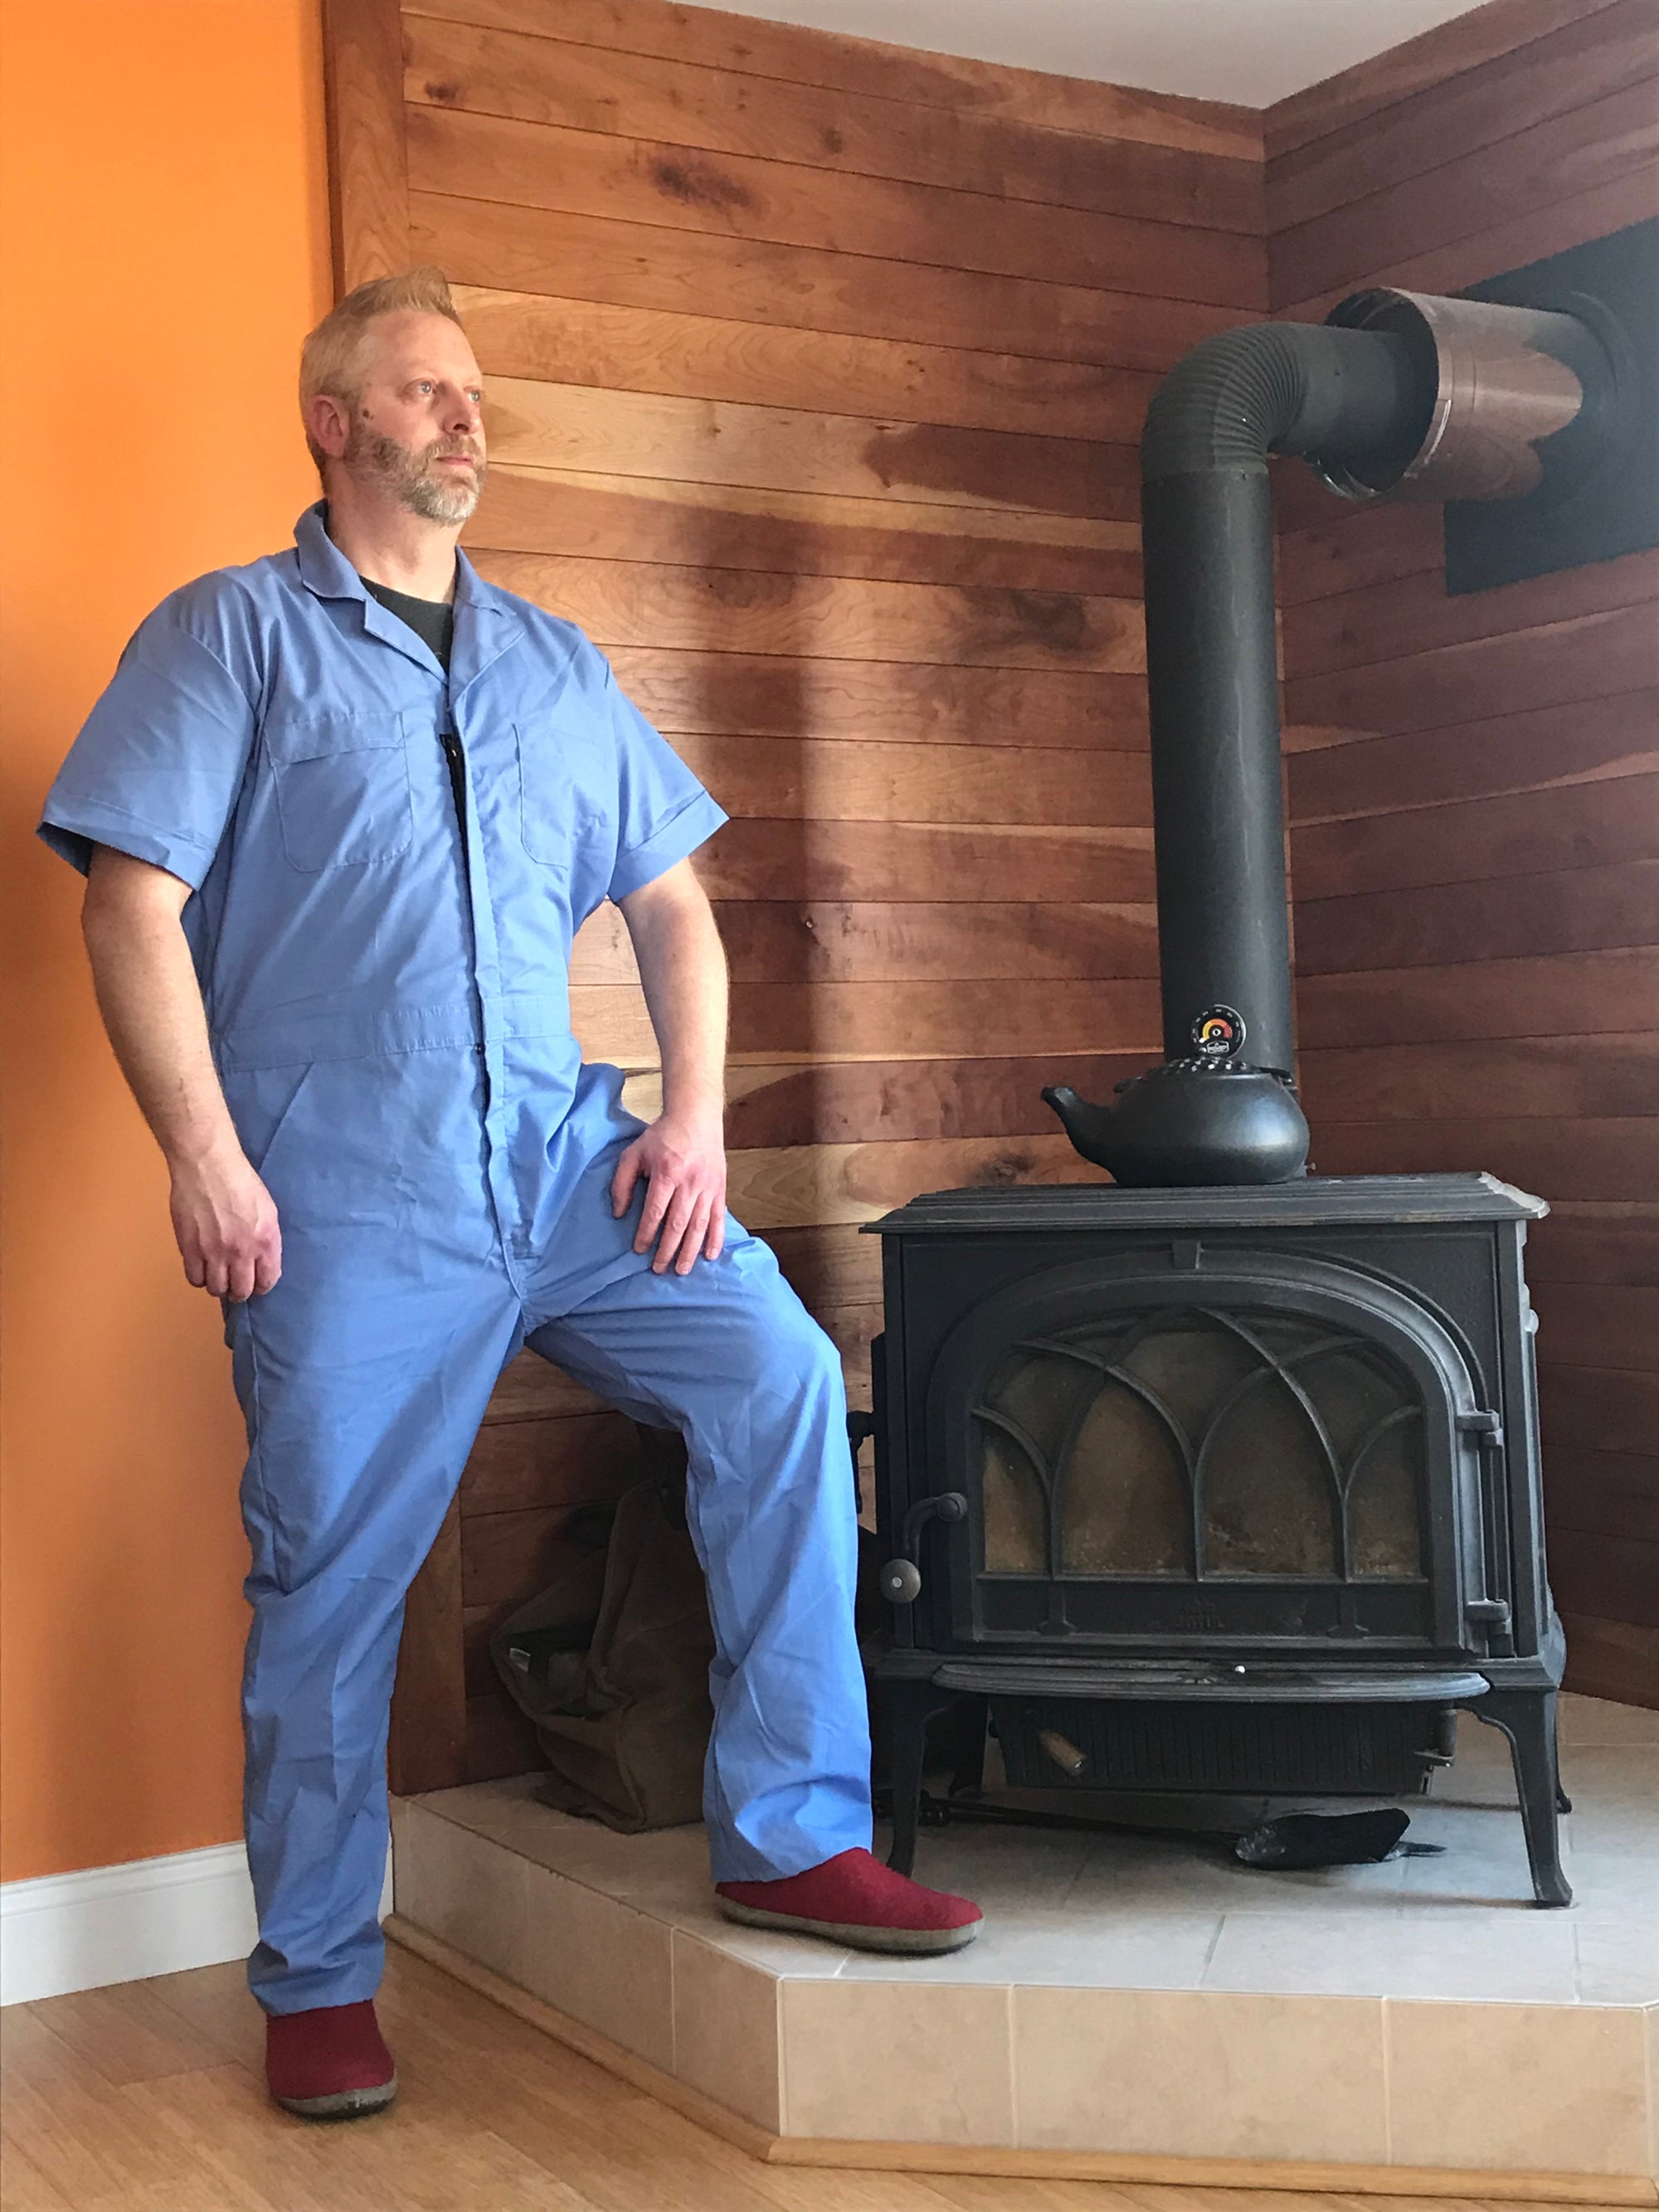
(1219,1034)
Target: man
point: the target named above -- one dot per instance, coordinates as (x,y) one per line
(341,811)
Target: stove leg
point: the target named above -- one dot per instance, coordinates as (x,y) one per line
(910,1706)
(968,1747)
(1527,1717)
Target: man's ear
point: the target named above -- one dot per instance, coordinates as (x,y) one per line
(328,423)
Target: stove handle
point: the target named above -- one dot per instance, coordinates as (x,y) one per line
(901,1578)
(1485,1431)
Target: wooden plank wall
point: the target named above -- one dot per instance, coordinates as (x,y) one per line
(816,373)
(817,368)
(1474,799)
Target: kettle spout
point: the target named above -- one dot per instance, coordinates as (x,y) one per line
(1088,1127)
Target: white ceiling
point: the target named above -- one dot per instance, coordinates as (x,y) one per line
(1253,52)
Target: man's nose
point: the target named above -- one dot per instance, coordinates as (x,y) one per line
(463,418)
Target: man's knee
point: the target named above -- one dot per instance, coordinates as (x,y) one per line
(779,1347)
(817,1360)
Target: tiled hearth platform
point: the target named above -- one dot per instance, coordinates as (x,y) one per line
(1132,2001)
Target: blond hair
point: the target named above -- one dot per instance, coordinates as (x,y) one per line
(331,358)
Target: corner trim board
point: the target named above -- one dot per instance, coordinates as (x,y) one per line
(368,162)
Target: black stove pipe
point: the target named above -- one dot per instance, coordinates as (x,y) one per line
(1212,675)
(1408,399)
(1222,1108)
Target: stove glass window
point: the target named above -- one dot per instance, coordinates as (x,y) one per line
(1187,1443)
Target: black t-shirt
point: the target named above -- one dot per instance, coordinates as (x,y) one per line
(433,620)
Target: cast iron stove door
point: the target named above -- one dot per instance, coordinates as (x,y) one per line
(1280,1451)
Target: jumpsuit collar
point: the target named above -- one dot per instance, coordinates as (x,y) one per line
(486,625)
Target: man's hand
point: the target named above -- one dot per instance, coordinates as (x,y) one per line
(683,1154)
(682,1158)
(226,1224)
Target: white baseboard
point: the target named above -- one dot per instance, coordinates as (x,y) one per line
(64,1932)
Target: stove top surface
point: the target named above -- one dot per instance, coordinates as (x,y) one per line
(1042,1206)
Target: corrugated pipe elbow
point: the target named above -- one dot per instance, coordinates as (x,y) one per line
(1284,388)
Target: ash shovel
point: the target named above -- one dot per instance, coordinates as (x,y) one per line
(1322,1839)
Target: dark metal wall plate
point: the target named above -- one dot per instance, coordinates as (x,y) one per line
(1600,493)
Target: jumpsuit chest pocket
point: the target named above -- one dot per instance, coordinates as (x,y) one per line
(559,797)
(342,793)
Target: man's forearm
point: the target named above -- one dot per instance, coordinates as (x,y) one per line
(229,1238)
(151,1003)
(683,970)
(682,1156)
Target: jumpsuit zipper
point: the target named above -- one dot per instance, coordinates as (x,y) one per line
(452,746)
(450,740)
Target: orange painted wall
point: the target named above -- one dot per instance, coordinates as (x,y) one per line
(166,247)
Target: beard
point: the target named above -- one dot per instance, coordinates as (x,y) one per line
(410,474)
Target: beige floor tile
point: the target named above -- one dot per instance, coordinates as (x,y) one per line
(1615,1801)
(1441,1952)
(1618,1960)
(1007,1868)
(671,1865)
(1598,1722)
(1135,1875)
(588,1955)
(1144,1950)
(472,1804)
(773,1952)
(1524,2088)
(1613,1886)
(1482,1860)
(726,2039)
(1200,2075)
(1632,1837)
(461,1886)
(510,1814)
(1466,1788)
(897,2062)
(1468,1824)
(1494,1882)
(1612,1773)
(664,1873)
(599,1959)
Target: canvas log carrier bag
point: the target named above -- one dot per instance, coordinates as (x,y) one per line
(612,1660)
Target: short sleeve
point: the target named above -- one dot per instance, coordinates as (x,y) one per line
(664,813)
(157,767)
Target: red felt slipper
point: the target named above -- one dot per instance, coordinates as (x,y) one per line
(329,2063)
(854,1899)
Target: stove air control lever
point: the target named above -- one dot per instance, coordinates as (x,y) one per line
(901,1578)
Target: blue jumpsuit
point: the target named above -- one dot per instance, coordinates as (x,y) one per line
(386,992)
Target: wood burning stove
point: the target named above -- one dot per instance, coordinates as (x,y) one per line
(1226,1477)
(1227,1490)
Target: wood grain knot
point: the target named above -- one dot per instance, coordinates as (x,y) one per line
(698,186)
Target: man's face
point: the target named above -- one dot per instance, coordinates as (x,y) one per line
(417,434)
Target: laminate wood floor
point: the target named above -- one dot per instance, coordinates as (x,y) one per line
(149,2097)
